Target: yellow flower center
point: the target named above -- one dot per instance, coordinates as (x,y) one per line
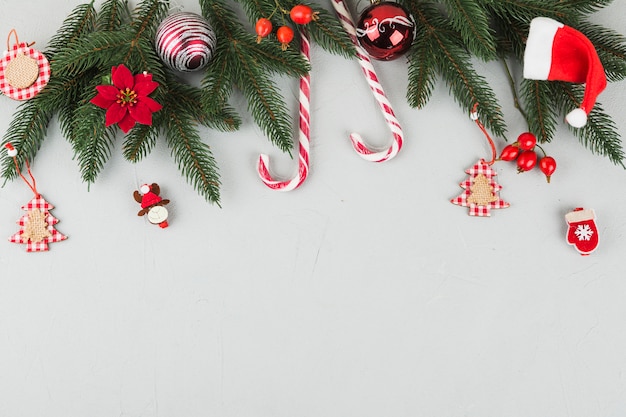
(126,96)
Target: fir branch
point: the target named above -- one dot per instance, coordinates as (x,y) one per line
(580,8)
(146,18)
(113,14)
(97,49)
(600,134)
(470,19)
(510,35)
(267,107)
(328,33)
(422,73)
(249,64)
(143,57)
(541,114)
(269,56)
(92,140)
(70,100)
(235,41)
(26,132)
(217,84)
(78,23)
(188,97)
(140,141)
(454,64)
(194,158)
(526,10)
(611,48)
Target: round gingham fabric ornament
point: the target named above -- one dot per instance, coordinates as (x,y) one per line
(24,71)
(185,41)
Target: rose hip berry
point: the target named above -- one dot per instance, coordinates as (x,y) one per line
(526,141)
(547,165)
(526,161)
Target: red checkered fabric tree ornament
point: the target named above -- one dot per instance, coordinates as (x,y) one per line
(37,225)
(481,191)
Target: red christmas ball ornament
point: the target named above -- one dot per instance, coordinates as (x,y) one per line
(386,30)
(185,42)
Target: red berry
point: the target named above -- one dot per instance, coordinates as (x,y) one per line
(526,161)
(284,34)
(526,141)
(302,14)
(263,28)
(547,165)
(509,153)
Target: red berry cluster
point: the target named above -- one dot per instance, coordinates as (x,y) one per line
(299,14)
(524,154)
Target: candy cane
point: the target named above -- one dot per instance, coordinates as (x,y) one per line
(304,134)
(377,89)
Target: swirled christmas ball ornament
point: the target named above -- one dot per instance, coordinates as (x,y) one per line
(386,30)
(185,41)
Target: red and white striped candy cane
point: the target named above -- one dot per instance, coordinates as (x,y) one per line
(377,89)
(304,133)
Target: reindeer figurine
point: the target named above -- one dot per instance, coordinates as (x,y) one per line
(152,204)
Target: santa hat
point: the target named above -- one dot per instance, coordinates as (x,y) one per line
(149,198)
(556,52)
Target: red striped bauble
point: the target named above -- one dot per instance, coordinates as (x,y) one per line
(185,41)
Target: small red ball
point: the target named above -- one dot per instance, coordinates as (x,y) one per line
(284,34)
(526,141)
(526,161)
(386,30)
(302,14)
(263,28)
(509,153)
(547,165)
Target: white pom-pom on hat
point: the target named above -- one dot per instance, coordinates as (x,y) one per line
(144,189)
(577,118)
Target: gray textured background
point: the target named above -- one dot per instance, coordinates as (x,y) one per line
(362,293)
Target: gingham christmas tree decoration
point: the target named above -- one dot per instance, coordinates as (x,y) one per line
(481,191)
(37,225)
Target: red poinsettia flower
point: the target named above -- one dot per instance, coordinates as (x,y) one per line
(127,100)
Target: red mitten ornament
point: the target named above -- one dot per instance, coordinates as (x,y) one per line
(152,204)
(582,232)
